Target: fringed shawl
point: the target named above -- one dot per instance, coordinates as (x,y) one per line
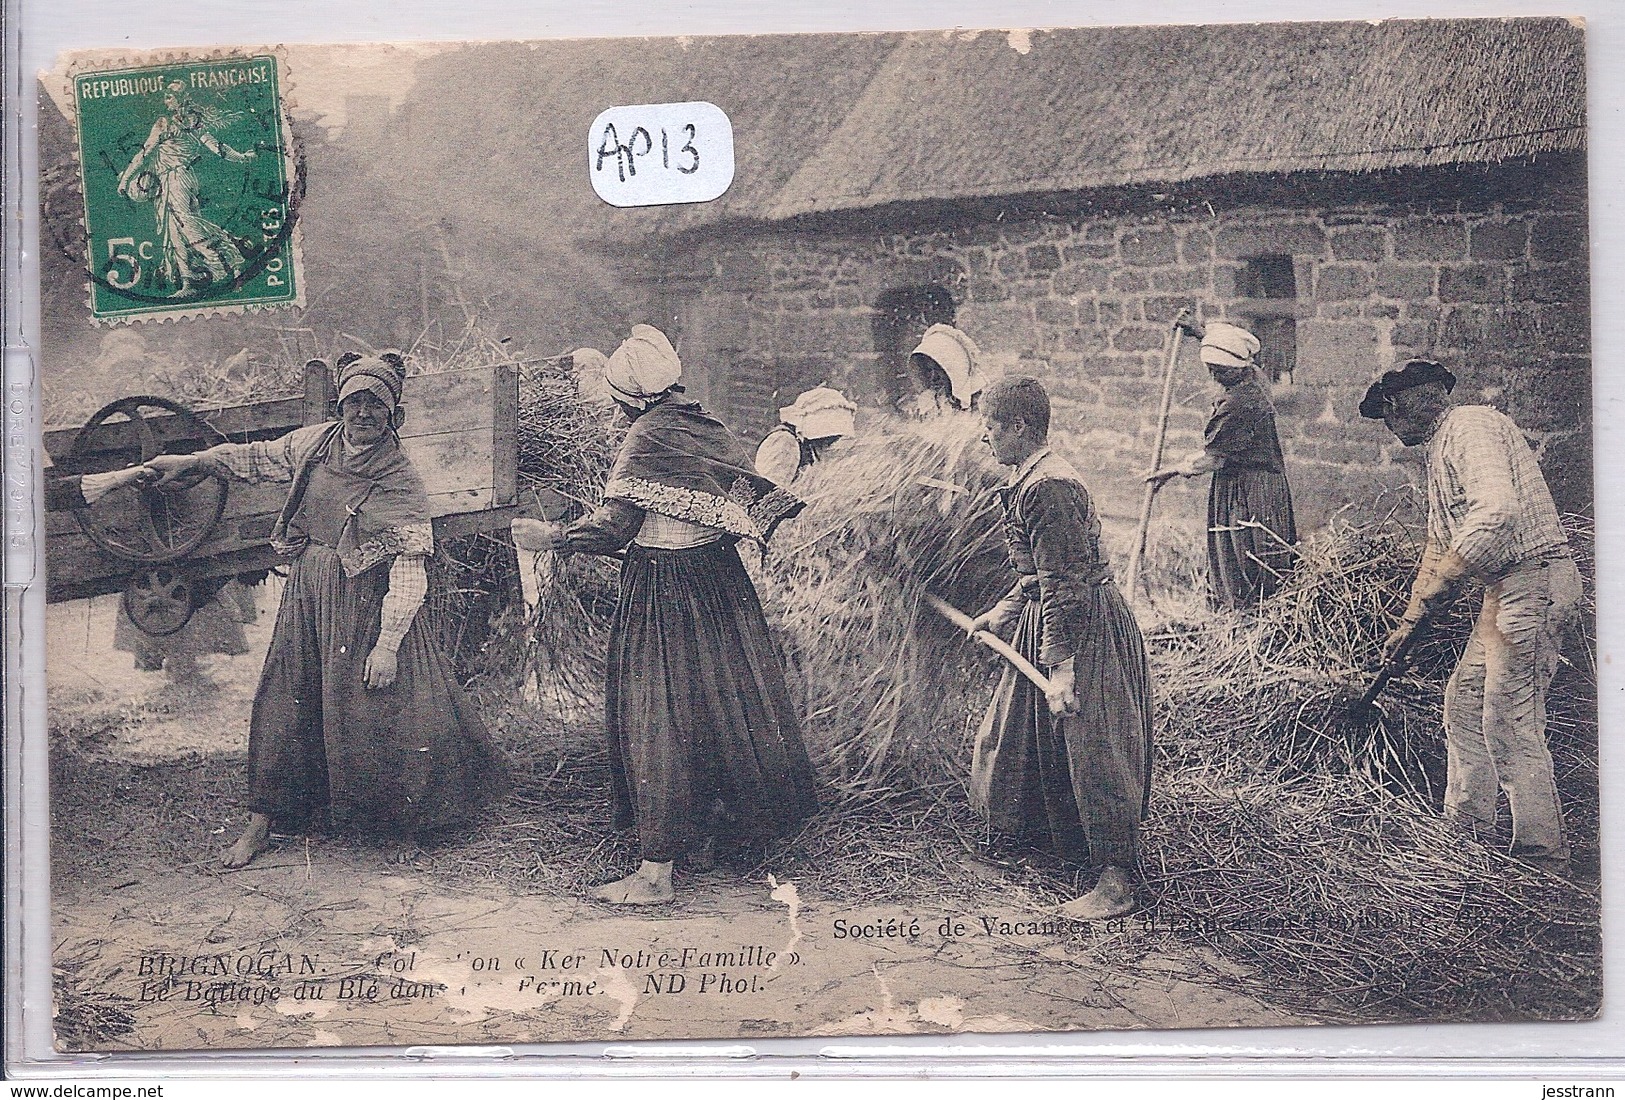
(680,461)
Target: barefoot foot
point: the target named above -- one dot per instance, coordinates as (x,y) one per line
(255,839)
(648,885)
(1113,896)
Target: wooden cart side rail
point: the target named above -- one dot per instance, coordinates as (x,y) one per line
(269,419)
(105,575)
(505,435)
(238,423)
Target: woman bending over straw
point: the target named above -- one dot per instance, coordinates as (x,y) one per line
(1070,771)
(704,740)
(357,709)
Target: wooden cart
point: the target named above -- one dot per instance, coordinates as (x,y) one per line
(169,550)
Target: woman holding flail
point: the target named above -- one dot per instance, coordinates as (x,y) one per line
(1251,531)
(163,172)
(358,710)
(705,744)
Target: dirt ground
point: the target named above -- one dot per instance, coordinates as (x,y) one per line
(328,942)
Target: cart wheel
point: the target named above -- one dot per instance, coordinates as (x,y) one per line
(144,522)
(159,601)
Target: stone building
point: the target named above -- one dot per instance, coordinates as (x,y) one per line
(1354,193)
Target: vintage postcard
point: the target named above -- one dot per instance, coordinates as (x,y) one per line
(832,535)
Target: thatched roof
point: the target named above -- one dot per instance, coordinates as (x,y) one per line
(959,116)
(830,123)
(514,155)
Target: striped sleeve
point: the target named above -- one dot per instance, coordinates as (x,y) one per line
(1487,499)
(608,528)
(1482,469)
(408,586)
(268,461)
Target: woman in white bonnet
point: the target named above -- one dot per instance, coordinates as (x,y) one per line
(1250,527)
(705,741)
(806,431)
(945,366)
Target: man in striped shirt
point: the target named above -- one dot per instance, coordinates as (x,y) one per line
(1490,518)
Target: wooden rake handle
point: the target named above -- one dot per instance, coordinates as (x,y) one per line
(992,641)
(1138,552)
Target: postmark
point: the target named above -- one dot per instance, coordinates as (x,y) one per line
(191,188)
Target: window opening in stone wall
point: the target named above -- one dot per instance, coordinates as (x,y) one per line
(901,318)
(1269,308)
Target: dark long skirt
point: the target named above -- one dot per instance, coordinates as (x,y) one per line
(698,712)
(1250,535)
(410,756)
(1078,786)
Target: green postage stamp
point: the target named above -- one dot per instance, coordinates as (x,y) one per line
(191,188)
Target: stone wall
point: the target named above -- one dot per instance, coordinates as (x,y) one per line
(1492,279)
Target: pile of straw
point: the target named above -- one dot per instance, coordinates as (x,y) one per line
(84,1015)
(898,511)
(566,448)
(1288,852)
(1308,853)
(888,689)
(1271,687)
(566,445)
(1331,895)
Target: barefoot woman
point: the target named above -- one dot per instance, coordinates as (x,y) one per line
(703,736)
(1070,772)
(357,709)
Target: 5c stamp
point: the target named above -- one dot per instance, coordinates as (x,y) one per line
(191,188)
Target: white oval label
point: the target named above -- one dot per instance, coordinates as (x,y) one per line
(654,154)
